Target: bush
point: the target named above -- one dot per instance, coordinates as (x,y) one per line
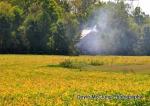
(78,65)
(66,63)
(72,64)
(96,63)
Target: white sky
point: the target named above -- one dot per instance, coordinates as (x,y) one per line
(144,4)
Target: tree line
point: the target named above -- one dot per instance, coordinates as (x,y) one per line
(54,26)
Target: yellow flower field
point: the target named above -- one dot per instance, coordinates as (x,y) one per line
(38,80)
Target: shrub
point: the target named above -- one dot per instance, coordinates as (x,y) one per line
(96,63)
(72,64)
(66,63)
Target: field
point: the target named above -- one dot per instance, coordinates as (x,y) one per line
(41,80)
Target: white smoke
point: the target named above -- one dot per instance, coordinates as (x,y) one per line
(105,34)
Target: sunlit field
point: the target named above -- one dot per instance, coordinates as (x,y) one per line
(41,80)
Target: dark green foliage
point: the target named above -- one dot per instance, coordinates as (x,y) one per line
(80,64)
(73,64)
(37,26)
(54,26)
(10,18)
(37,31)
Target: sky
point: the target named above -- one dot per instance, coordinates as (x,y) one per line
(144,4)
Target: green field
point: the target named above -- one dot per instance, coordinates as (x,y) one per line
(41,80)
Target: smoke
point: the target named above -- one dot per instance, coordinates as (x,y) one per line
(105,33)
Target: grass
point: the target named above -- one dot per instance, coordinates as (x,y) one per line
(67,63)
(41,80)
(96,63)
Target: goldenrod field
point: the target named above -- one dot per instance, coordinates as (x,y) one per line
(38,80)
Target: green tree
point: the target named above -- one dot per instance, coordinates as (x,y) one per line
(42,16)
(10,17)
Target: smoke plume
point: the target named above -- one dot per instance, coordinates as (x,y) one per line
(105,33)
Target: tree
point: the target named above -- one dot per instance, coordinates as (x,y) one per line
(37,24)
(10,17)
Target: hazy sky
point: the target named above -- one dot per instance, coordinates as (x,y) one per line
(144,4)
